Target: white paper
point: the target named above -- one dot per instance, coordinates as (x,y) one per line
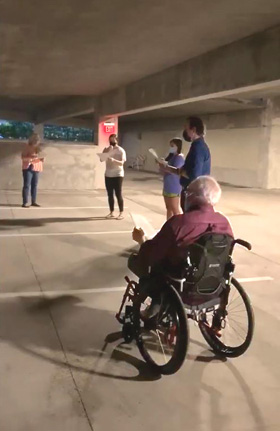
(161,160)
(104,156)
(141,222)
(154,154)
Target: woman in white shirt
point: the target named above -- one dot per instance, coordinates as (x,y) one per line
(114,175)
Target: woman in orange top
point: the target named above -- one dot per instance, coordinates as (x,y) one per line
(32,165)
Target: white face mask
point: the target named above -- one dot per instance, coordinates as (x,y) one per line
(172,150)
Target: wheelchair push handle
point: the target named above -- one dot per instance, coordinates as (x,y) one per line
(243,243)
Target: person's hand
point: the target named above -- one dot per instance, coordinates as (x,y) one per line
(162,162)
(138,235)
(111,159)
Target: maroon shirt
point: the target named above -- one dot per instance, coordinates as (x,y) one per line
(180,231)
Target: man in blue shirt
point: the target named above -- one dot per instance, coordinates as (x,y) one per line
(198,160)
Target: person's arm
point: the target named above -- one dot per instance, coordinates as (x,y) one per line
(38,159)
(156,249)
(27,157)
(119,162)
(178,169)
(196,163)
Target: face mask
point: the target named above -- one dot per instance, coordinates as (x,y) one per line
(186,136)
(172,150)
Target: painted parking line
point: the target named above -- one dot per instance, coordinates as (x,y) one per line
(252,279)
(99,290)
(20,235)
(52,208)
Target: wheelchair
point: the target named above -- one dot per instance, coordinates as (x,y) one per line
(203,289)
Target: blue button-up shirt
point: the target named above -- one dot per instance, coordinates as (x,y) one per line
(198,161)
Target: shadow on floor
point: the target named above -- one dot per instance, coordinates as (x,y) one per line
(83,336)
(11,205)
(44,221)
(83,332)
(75,323)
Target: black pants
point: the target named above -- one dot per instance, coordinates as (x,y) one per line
(114,184)
(184,201)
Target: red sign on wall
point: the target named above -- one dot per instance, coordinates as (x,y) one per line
(109,127)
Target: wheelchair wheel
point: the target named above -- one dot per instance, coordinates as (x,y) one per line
(235,321)
(163,338)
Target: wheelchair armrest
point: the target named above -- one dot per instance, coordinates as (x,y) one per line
(243,243)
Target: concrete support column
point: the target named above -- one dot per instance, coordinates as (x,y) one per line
(269,158)
(273,175)
(103,128)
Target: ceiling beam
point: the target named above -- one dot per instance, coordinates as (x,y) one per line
(70,107)
(250,64)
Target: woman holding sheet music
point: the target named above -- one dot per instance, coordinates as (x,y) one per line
(171,182)
(114,175)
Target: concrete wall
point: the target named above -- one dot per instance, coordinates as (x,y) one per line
(235,141)
(67,166)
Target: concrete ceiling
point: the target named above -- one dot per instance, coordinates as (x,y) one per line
(69,47)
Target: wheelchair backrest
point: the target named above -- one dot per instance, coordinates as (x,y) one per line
(206,261)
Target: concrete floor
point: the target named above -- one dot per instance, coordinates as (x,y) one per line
(63,366)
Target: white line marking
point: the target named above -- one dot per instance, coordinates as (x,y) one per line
(15,235)
(53,208)
(98,290)
(251,279)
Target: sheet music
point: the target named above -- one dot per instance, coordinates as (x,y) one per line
(154,153)
(161,160)
(104,156)
(140,221)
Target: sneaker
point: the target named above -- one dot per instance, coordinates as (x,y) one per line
(111,215)
(34,204)
(25,206)
(120,216)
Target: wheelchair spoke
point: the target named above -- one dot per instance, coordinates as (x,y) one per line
(236,324)
(162,312)
(159,338)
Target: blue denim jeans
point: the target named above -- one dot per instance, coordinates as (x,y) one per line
(30,180)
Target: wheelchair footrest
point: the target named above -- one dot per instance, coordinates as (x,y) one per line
(128,327)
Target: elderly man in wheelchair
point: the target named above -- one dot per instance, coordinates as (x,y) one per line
(186,271)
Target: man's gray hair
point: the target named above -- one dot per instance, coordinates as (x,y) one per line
(206,189)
